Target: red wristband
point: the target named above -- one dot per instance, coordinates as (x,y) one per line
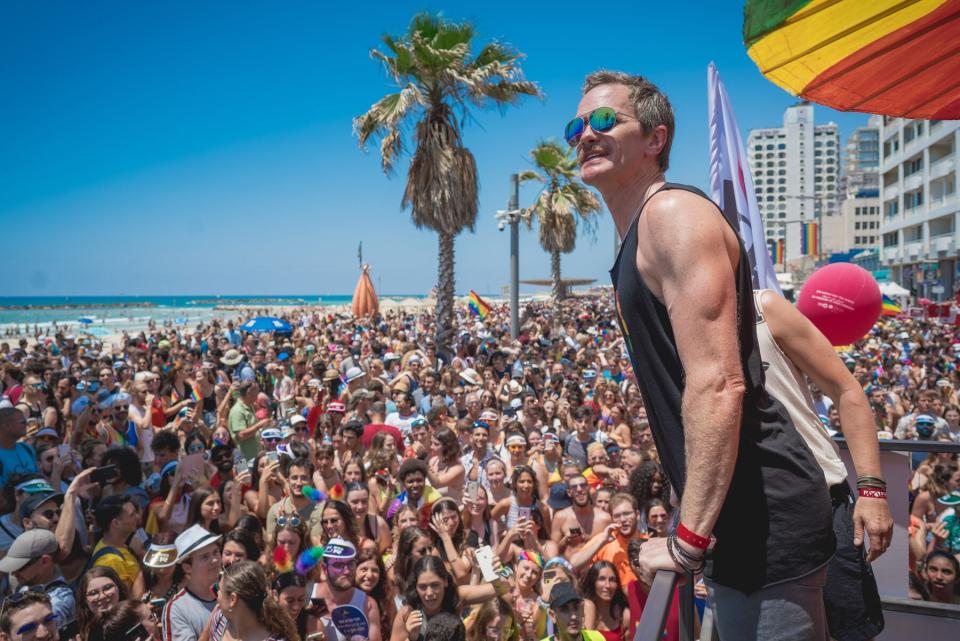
(872,492)
(690,538)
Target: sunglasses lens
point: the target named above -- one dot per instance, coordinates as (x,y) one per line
(603,119)
(573,131)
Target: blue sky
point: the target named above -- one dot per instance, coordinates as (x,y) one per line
(206,147)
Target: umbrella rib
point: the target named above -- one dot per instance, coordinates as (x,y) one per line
(948,89)
(839,36)
(797,17)
(825,78)
(902,77)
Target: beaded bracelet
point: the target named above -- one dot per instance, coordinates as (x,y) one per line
(871,481)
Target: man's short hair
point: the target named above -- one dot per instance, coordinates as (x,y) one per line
(110,508)
(410,466)
(166,441)
(583,413)
(623,497)
(25,600)
(353,426)
(445,626)
(651,106)
(244,388)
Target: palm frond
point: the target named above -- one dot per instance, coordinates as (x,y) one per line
(528,175)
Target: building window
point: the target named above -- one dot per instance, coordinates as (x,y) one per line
(890,239)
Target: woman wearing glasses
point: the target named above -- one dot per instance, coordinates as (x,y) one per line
(100,589)
(336,520)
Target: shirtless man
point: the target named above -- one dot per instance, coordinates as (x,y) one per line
(351,611)
(574,525)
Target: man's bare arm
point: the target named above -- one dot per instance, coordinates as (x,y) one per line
(810,351)
(688,252)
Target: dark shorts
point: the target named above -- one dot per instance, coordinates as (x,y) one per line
(850,596)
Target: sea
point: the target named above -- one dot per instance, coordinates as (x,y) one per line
(113,314)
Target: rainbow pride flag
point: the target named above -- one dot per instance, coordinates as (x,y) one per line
(195,394)
(808,239)
(478,306)
(889,307)
(777,251)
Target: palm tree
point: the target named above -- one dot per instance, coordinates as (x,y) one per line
(562,202)
(438,80)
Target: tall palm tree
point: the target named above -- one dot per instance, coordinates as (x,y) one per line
(562,202)
(439,79)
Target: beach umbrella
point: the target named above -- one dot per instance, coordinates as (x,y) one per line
(85,320)
(263,324)
(884,56)
(365,301)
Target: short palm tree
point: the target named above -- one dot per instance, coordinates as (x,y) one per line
(562,202)
(439,79)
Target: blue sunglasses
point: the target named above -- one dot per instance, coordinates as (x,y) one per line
(601,119)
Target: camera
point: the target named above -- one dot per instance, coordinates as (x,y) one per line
(501,226)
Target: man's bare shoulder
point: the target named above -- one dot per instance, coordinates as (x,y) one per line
(679,213)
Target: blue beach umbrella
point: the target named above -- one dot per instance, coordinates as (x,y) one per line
(85,320)
(267,324)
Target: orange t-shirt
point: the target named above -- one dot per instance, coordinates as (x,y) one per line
(616,553)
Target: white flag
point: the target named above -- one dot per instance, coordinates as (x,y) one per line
(731,183)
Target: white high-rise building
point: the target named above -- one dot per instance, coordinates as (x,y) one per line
(796,171)
(920,204)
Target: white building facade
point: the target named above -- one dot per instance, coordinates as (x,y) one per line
(796,171)
(920,204)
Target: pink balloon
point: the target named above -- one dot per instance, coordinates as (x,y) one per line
(842,300)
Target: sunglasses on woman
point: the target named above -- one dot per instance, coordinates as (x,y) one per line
(293,520)
(601,119)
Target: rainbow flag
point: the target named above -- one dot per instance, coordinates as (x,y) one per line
(808,239)
(889,307)
(478,306)
(195,394)
(777,251)
(875,56)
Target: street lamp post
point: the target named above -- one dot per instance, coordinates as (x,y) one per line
(512,217)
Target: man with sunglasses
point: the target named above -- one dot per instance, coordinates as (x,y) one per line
(573,525)
(683,291)
(296,474)
(28,617)
(353,613)
(32,561)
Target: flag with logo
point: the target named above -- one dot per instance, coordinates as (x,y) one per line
(731,184)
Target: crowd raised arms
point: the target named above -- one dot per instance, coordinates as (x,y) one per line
(388,492)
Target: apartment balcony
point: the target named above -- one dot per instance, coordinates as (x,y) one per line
(891,192)
(942,243)
(913,181)
(890,254)
(913,250)
(942,167)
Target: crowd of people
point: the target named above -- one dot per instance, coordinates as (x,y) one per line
(351,480)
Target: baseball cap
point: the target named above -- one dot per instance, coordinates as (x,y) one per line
(192,539)
(47,431)
(925,418)
(271,432)
(36,500)
(30,545)
(563,593)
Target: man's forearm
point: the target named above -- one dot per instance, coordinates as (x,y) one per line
(858,428)
(711,420)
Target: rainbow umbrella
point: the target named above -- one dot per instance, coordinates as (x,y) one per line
(892,57)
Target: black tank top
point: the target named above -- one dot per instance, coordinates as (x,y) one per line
(775,524)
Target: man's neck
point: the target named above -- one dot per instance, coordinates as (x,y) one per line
(625,199)
(200,590)
(7,442)
(582,512)
(341,596)
(115,539)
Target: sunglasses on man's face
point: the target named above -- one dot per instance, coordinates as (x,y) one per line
(601,120)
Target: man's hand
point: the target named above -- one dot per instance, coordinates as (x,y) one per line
(873,515)
(81,484)
(654,556)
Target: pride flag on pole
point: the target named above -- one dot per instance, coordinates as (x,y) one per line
(731,184)
(808,239)
(478,306)
(777,251)
(889,307)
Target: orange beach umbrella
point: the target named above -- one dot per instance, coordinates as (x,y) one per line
(365,301)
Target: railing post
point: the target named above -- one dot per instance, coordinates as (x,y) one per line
(658,603)
(687,610)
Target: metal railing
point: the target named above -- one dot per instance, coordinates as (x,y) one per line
(904,616)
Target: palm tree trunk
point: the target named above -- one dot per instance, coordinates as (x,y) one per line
(446,280)
(555,273)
